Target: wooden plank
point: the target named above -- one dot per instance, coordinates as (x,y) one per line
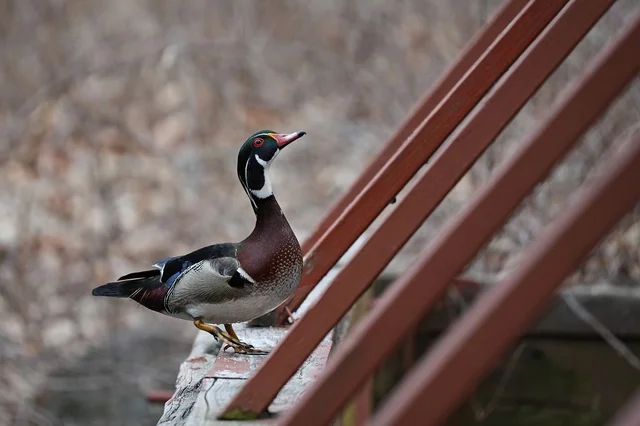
(402,306)
(215,393)
(229,365)
(457,363)
(190,380)
(394,171)
(210,378)
(439,177)
(238,368)
(476,47)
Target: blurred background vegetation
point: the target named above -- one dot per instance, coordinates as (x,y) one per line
(120,123)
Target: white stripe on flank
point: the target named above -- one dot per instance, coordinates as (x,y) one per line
(246,276)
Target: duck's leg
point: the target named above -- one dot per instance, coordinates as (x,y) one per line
(234,336)
(238,347)
(232,332)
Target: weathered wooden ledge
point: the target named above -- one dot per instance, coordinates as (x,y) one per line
(209,378)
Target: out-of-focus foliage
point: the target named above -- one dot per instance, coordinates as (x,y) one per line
(120,125)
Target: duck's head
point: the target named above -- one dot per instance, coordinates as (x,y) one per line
(255,157)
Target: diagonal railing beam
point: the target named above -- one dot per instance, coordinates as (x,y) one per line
(413,294)
(476,47)
(456,365)
(412,154)
(440,176)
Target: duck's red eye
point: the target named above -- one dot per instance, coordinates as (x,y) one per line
(258,142)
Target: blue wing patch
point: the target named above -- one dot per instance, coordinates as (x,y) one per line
(172,279)
(171,268)
(160,263)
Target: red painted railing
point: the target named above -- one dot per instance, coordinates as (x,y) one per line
(515,53)
(403,154)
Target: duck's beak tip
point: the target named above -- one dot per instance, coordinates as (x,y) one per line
(285,139)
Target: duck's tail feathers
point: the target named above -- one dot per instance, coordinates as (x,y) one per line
(129,284)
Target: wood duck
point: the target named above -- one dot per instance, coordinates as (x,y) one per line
(230,282)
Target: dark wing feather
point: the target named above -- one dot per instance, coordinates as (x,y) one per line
(129,284)
(150,287)
(140,274)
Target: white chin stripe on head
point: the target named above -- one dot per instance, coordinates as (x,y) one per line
(266,191)
(263,163)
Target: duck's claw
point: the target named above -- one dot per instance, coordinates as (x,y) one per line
(238,346)
(243,348)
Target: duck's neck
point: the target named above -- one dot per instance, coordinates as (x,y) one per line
(270,220)
(267,211)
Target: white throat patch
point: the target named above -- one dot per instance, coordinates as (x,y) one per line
(266,191)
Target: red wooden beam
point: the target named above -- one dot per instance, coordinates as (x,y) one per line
(440,176)
(364,404)
(456,365)
(398,163)
(402,306)
(476,47)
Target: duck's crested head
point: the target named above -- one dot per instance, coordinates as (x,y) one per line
(255,157)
